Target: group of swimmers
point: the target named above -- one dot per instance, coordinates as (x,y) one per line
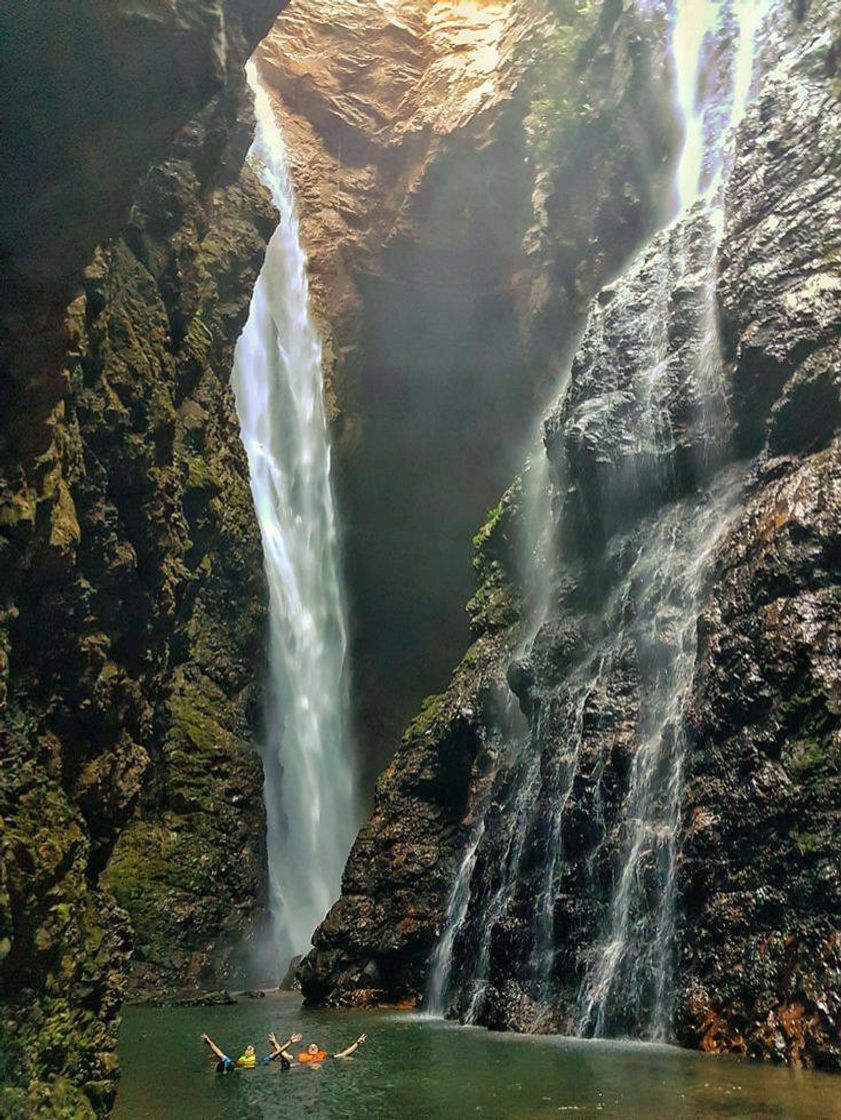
(313,1055)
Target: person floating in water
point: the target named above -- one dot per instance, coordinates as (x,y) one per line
(313,1055)
(248,1058)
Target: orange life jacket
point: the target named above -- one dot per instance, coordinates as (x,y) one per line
(318,1056)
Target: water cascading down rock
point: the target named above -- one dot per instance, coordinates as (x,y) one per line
(563,911)
(310,790)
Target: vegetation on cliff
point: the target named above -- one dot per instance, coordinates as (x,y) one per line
(132,604)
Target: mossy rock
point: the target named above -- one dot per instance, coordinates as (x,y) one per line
(200,475)
(57,1099)
(141,865)
(433,710)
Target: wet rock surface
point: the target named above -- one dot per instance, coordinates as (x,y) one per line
(760,876)
(642,398)
(754,725)
(132,604)
(760,872)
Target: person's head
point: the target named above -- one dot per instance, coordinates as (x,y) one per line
(312,1048)
(249,1051)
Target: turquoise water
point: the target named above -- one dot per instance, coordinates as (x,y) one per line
(414,1067)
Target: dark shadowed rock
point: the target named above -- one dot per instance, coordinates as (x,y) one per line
(131,608)
(760,969)
(760,873)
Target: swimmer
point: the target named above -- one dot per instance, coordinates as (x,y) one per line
(314,1054)
(248,1059)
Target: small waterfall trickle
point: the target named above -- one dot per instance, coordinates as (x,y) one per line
(441,964)
(628,985)
(310,789)
(538,558)
(548,847)
(710,116)
(510,729)
(538,543)
(516,816)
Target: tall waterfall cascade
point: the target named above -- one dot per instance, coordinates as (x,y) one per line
(310,788)
(663,504)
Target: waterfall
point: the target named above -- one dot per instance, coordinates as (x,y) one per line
(665,496)
(629,980)
(310,790)
(538,559)
(628,985)
(709,120)
(538,547)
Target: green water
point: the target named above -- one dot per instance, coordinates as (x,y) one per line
(412,1067)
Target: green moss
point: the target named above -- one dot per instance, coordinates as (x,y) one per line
(74,936)
(141,863)
(432,709)
(491,545)
(193,723)
(18,507)
(64,524)
(492,521)
(153,866)
(807,843)
(57,1099)
(494,606)
(200,475)
(559,101)
(153,871)
(199,335)
(807,756)
(43,838)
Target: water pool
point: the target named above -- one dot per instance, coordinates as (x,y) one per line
(415,1067)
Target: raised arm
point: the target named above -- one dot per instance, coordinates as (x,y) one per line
(347,1053)
(209,1041)
(279,1049)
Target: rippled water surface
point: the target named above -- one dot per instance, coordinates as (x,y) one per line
(412,1067)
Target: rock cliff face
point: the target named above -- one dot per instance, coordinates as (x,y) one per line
(455,164)
(91,96)
(131,625)
(695,527)
(760,877)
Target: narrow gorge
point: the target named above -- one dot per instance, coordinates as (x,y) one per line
(321,321)
(645,842)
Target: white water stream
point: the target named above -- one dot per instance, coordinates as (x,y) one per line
(628,981)
(671,574)
(310,787)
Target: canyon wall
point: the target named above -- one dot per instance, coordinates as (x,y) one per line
(131,625)
(470,175)
(523,772)
(760,875)
(467,174)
